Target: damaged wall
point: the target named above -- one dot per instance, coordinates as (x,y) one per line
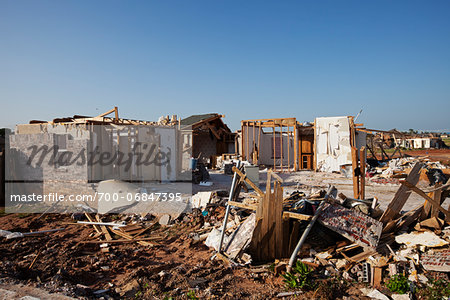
(332,145)
(70,169)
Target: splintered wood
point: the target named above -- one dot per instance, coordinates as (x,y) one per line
(354,225)
(401,196)
(267,241)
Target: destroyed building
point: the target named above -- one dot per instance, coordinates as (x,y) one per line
(286,144)
(211,136)
(72,154)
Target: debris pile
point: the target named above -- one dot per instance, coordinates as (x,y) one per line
(393,170)
(323,244)
(362,243)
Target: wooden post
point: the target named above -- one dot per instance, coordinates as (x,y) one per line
(288,148)
(354,175)
(242,141)
(281,146)
(253,142)
(259,141)
(362,162)
(247,154)
(315,148)
(116,113)
(295,147)
(274,147)
(279,241)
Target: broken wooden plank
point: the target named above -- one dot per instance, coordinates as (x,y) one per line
(294,215)
(34,260)
(251,183)
(129,237)
(123,240)
(401,195)
(377,277)
(243,205)
(278,219)
(438,199)
(428,198)
(104,229)
(92,220)
(362,162)
(354,175)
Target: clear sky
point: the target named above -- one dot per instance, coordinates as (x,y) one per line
(244,59)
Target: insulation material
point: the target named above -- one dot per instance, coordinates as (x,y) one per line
(427,238)
(332,143)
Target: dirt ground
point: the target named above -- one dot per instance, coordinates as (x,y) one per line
(176,266)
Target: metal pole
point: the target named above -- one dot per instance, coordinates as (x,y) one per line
(304,236)
(308,229)
(227,212)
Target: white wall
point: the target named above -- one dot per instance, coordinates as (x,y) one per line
(333,143)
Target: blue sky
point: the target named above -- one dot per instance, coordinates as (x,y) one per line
(244,59)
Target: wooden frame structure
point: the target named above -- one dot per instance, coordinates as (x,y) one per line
(281,127)
(376,139)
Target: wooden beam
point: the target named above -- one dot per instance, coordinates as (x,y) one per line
(295,148)
(354,170)
(274,149)
(297,216)
(243,205)
(259,143)
(107,113)
(116,113)
(92,220)
(362,162)
(104,229)
(401,196)
(438,199)
(213,130)
(251,183)
(281,147)
(288,150)
(242,141)
(428,198)
(129,237)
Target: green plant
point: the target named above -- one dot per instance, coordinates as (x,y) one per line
(436,289)
(300,277)
(398,284)
(272,267)
(191,295)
